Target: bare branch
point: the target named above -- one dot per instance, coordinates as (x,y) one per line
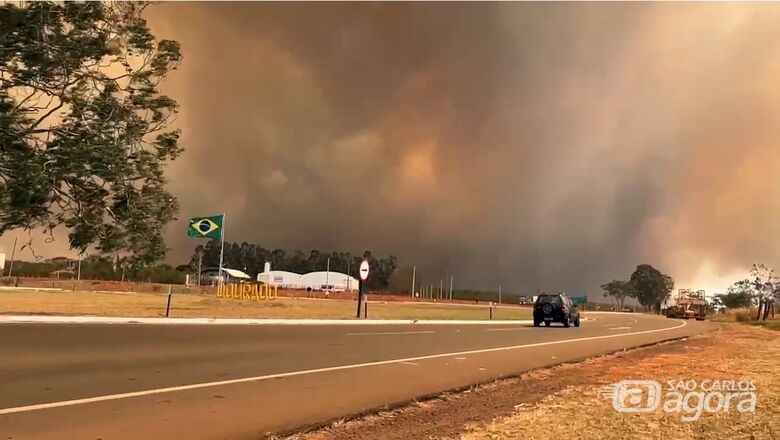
(21,103)
(42,118)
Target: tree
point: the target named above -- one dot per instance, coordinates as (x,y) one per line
(667,293)
(652,287)
(84,130)
(766,290)
(619,290)
(735,300)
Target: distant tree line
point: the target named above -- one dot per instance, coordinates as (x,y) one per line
(648,285)
(250,258)
(97,267)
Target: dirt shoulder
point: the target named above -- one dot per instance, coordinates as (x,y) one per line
(560,401)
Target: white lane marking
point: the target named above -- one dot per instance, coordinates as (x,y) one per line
(427,332)
(460,359)
(503,329)
(620,328)
(196,386)
(29,319)
(409,363)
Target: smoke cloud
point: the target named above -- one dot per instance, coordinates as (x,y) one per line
(551,145)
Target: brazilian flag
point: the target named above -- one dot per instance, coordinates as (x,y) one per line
(206,227)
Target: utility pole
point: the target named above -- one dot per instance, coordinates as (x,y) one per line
(200,262)
(441,289)
(222,249)
(349,275)
(414,274)
(327,276)
(79,275)
(13,253)
(450,287)
(499,293)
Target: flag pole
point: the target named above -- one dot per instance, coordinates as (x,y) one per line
(222,249)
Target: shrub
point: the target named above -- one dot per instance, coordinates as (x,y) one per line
(743,315)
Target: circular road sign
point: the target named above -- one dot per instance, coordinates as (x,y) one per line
(364,270)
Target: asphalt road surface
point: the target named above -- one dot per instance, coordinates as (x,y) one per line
(97,381)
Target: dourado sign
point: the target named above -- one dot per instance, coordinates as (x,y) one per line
(252,292)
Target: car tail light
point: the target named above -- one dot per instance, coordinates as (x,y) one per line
(565,309)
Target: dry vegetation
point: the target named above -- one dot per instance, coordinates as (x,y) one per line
(201,305)
(747,316)
(742,353)
(565,401)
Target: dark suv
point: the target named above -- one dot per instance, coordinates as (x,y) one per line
(555,307)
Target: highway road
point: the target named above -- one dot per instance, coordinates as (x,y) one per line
(100,381)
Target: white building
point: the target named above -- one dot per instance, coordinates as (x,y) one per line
(281,278)
(333,281)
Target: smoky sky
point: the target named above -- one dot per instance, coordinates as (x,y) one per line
(554,145)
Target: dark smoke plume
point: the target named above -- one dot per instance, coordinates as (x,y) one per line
(552,145)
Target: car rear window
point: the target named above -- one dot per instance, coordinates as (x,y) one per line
(544,299)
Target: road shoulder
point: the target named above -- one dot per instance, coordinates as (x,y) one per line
(551,402)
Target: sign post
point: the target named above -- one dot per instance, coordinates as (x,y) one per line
(363,276)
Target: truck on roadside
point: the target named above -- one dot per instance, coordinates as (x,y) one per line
(689,304)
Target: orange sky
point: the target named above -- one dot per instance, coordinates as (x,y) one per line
(523,144)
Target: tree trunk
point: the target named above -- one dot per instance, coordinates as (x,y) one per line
(760,304)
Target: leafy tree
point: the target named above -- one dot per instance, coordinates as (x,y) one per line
(735,300)
(667,293)
(619,290)
(652,287)
(97,267)
(208,254)
(84,129)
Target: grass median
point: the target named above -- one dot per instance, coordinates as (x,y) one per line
(207,306)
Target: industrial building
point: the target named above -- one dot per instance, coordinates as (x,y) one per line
(323,280)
